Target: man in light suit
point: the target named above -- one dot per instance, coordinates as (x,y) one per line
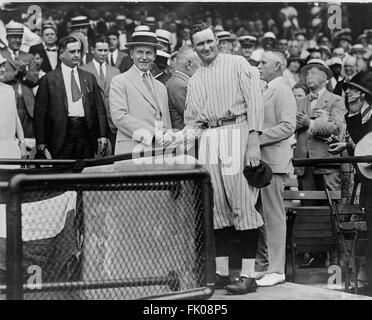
(319,115)
(187,62)
(99,50)
(21,74)
(139,102)
(70,117)
(279,125)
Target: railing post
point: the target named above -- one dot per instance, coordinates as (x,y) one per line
(207,200)
(14,250)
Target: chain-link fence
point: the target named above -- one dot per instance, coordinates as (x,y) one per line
(109,235)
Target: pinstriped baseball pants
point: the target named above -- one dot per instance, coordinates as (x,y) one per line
(221,152)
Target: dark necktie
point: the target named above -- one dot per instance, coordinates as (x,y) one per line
(76,94)
(112,60)
(101,74)
(51,50)
(15,55)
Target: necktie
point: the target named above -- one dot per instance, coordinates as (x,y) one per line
(51,49)
(146,81)
(101,74)
(314,96)
(76,94)
(148,86)
(15,55)
(112,60)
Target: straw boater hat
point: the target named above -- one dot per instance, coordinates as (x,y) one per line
(144,38)
(224,36)
(164,36)
(247,41)
(364,148)
(14,28)
(79,21)
(317,63)
(141,28)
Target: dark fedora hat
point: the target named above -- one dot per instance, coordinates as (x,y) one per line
(144,38)
(259,176)
(362,81)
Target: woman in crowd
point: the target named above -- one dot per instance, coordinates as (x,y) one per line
(291,75)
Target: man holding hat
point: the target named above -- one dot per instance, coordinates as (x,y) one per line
(139,102)
(359,125)
(21,74)
(47,50)
(225,42)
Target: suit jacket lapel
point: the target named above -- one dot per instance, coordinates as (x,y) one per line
(109,76)
(323,100)
(268,94)
(84,90)
(134,77)
(60,85)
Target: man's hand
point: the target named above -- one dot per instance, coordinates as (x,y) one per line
(102,145)
(164,137)
(319,113)
(337,147)
(21,71)
(252,154)
(23,150)
(303,120)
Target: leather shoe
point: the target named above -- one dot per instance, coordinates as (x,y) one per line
(271,279)
(242,286)
(221,281)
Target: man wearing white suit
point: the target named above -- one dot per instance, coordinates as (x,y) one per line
(279,125)
(139,102)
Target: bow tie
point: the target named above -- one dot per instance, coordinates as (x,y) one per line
(52,50)
(313,96)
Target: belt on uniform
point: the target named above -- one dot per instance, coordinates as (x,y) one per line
(76,119)
(223,122)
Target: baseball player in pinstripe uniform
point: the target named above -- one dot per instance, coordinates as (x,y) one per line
(224,108)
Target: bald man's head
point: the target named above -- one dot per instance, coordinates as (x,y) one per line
(187,60)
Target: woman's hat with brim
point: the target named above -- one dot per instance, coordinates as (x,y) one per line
(362,81)
(317,63)
(144,38)
(363,148)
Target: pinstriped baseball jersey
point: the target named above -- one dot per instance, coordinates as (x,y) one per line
(228,87)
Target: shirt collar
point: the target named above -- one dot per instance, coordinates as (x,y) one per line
(68,69)
(97,64)
(141,73)
(45,47)
(274,81)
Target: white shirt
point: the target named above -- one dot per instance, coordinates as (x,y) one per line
(52,56)
(97,66)
(75,109)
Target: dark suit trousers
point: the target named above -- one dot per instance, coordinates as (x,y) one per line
(26,120)
(77,142)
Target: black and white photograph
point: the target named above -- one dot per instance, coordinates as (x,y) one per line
(214,152)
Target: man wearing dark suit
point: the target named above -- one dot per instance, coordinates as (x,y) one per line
(187,62)
(100,50)
(21,74)
(319,115)
(47,50)
(117,58)
(70,117)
